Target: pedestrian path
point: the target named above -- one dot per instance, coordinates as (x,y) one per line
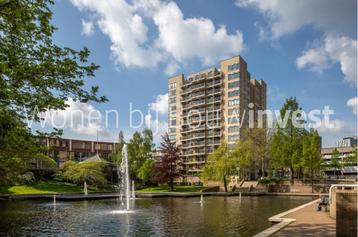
(309,222)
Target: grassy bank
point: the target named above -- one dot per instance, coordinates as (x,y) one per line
(176,189)
(45,188)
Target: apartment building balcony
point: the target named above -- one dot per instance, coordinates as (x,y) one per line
(194,161)
(213,134)
(193,137)
(198,87)
(213,92)
(214,84)
(211,143)
(197,111)
(214,101)
(195,154)
(195,170)
(198,78)
(198,95)
(194,104)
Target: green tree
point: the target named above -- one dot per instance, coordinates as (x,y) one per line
(243,155)
(116,156)
(91,172)
(286,144)
(335,161)
(260,140)
(146,171)
(140,148)
(352,159)
(35,75)
(14,161)
(223,162)
(312,153)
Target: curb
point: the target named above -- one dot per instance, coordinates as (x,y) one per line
(281,221)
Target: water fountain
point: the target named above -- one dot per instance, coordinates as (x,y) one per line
(85,190)
(201,199)
(54,200)
(123,174)
(133,190)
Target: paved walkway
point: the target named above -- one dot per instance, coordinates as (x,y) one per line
(309,222)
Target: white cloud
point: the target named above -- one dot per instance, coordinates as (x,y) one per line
(171,68)
(160,104)
(193,37)
(87,28)
(287,16)
(342,50)
(125,29)
(336,19)
(158,126)
(341,129)
(315,58)
(353,103)
(177,39)
(80,118)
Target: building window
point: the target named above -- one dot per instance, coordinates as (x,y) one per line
(234,120)
(234,84)
(172,85)
(234,129)
(172,93)
(233,75)
(234,112)
(233,67)
(233,137)
(173,122)
(234,102)
(172,100)
(234,93)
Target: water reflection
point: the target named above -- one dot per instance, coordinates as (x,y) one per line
(217,216)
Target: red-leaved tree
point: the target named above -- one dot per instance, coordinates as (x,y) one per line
(169,166)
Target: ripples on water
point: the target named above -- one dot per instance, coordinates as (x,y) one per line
(218,216)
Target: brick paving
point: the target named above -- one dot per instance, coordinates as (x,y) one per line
(309,222)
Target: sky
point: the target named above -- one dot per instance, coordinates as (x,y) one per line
(306,49)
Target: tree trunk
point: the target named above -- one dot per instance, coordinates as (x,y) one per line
(312,179)
(292,175)
(225,187)
(171,185)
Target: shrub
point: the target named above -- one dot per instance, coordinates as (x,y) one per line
(26,178)
(269,181)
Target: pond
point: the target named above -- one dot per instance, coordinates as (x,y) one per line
(217,216)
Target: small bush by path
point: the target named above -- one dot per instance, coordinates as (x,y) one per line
(176,189)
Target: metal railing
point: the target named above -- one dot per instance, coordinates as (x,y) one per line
(339,185)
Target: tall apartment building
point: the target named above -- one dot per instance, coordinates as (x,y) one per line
(210,106)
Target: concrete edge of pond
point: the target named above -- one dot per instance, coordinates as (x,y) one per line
(280,222)
(93,196)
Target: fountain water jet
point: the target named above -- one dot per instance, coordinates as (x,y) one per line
(54,200)
(123,174)
(133,190)
(85,191)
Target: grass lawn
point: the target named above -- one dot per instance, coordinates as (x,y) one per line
(44,188)
(176,189)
